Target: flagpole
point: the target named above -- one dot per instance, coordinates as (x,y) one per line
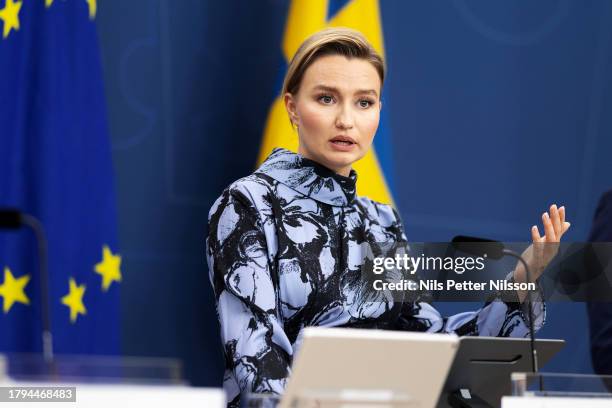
(13,219)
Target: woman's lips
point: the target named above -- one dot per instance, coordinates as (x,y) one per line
(342,145)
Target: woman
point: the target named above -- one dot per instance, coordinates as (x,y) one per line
(284,246)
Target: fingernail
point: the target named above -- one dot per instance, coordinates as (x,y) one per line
(562,207)
(546,215)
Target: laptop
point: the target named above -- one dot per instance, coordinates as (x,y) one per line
(342,366)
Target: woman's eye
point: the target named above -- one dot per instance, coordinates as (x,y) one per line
(326,99)
(365,103)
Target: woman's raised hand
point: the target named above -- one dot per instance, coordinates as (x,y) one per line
(544,248)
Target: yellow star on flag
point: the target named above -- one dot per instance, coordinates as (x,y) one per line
(74,300)
(10,16)
(12,290)
(109,268)
(92,8)
(48,3)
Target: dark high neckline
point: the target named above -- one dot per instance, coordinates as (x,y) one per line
(310,178)
(348,183)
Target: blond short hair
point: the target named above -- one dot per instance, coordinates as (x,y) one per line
(331,41)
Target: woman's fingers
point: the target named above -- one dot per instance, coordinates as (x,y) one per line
(562,214)
(555,217)
(535,234)
(554,225)
(549,230)
(566,226)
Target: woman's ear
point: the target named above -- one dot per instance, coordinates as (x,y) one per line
(291,108)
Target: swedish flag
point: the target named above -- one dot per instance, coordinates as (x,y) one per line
(305,18)
(55,164)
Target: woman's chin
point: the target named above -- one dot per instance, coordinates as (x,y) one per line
(341,159)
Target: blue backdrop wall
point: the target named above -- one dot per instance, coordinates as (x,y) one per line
(496,110)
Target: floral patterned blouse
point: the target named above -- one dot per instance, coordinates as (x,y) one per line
(284,252)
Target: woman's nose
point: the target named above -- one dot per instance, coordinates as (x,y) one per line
(344,120)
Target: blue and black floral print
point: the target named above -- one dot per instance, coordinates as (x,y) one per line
(285,250)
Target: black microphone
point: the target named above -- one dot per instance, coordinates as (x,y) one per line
(496,250)
(469,245)
(11,218)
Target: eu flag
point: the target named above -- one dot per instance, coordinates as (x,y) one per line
(55,164)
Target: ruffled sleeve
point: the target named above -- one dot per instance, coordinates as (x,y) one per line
(257,350)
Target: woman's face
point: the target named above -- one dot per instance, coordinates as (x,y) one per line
(336,109)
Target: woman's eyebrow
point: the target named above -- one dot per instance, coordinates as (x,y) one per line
(334,89)
(367,91)
(326,88)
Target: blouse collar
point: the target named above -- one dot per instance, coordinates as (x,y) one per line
(309,177)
